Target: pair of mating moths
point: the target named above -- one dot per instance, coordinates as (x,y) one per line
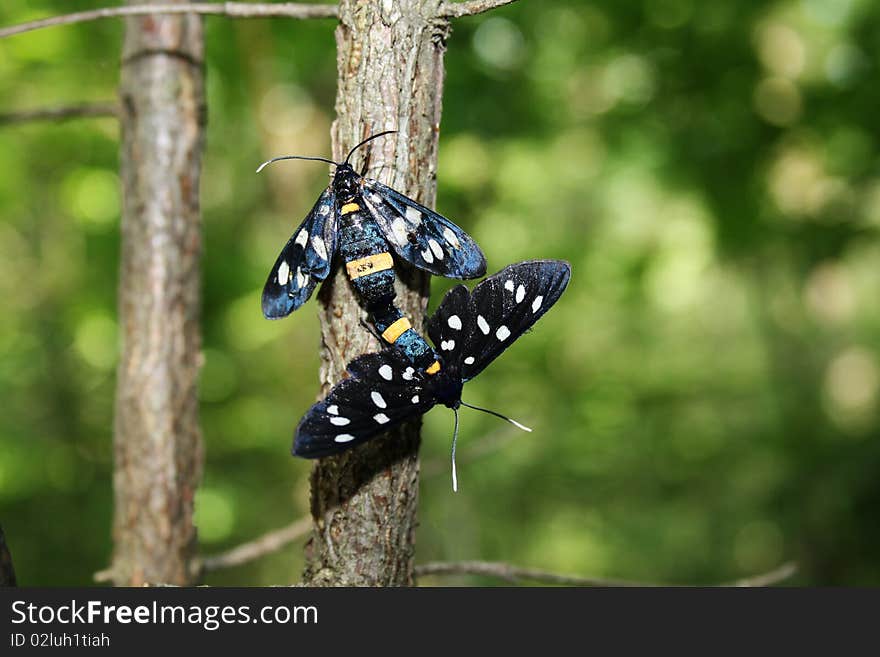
(368,224)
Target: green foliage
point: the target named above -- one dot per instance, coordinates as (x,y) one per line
(704,397)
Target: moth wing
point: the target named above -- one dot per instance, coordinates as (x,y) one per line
(422,237)
(508,304)
(304,261)
(382,391)
(451,326)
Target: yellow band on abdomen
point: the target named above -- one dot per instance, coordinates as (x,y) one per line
(397,329)
(349,208)
(364,266)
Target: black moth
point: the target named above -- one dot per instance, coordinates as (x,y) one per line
(469,330)
(381,221)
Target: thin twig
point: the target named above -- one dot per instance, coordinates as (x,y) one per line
(232,9)
(60,113)
(783,572)
(514,573)
(470,7)
(266,544)
(7,572)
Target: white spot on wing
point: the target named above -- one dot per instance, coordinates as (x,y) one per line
(301,279)
(413,215)
(520,293)
(408,374)
(450,237)
(483,324)
(436,248)
(378,399)
(333,410)
(324,209)
(447,345)
(502,333)
(302,237)
(320,248)
(508,285)
(339,421)
(344,438)
(415,399)
(381,418)
(385,372)
(426,254)
(454,322)
(536,304)
(283,273)
(469,360)
(398,231)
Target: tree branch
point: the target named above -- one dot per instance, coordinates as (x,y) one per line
(514,573)
(7,572)
(783,572)
(231,9)
(266,544)
(61,113)
(470,7)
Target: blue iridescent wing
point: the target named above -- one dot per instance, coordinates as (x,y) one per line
(422,237)
(497,312)
(304,260)
(382,390)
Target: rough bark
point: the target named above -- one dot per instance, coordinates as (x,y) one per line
(390,67)
(7,572)
(158,452)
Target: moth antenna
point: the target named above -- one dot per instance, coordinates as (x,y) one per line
(294,157)
(368,139)
(503,417)
(454,440)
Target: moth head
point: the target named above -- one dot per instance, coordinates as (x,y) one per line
(346,183)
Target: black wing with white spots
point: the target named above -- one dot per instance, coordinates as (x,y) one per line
(451,327)
(382,391)
(499,310)
(422,237)
(469,330)
(304,260)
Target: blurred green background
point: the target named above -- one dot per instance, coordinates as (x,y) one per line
(705,395)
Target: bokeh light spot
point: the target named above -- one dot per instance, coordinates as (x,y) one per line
(92,196)
(96,340)
(777,101)
(215,514)
(851,386)
(499,43)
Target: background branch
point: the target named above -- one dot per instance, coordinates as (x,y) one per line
(470,8)
(232,9)
(7,572)
(266,544)
(774,576)
(514,573)
(62,113)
